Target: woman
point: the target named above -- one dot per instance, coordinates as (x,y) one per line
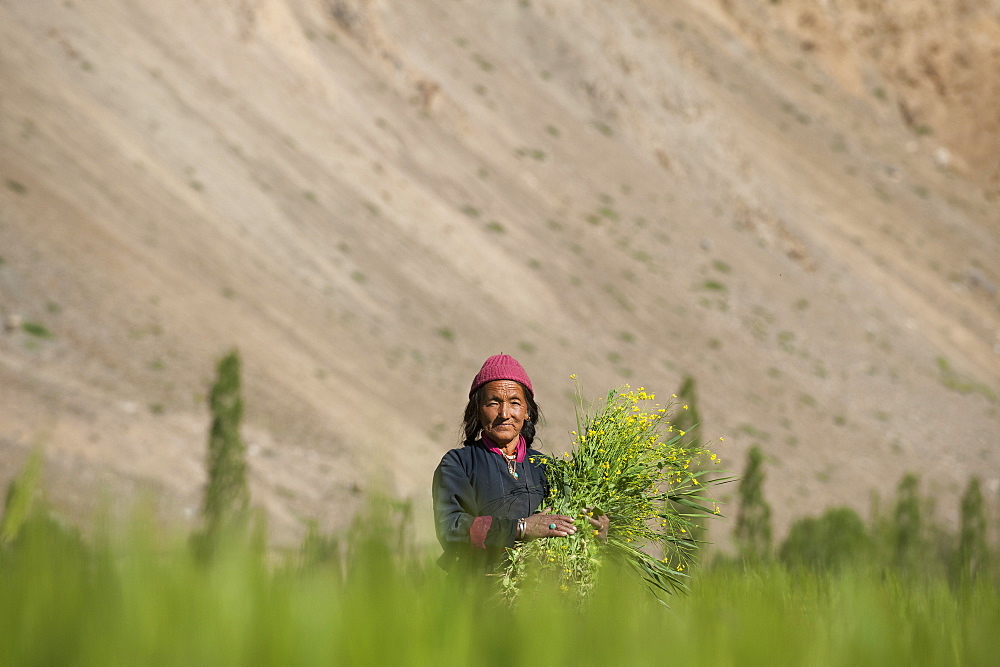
(486,493)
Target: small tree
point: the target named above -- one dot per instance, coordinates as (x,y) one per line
(973,553)
(226,494)
(753,519)
(689,420)
(907,529)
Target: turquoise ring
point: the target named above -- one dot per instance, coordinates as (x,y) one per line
(552,526)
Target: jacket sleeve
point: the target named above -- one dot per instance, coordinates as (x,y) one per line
(455,513)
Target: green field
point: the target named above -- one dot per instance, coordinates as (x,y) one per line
(364,597)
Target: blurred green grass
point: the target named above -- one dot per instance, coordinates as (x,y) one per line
(139,596)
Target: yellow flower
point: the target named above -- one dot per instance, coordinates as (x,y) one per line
(573,376)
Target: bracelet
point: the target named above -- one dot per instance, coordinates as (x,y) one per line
(521,523)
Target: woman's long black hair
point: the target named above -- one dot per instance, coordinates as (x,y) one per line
(470,421)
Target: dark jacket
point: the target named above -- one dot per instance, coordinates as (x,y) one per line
(477,504)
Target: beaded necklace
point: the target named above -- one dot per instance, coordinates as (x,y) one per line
(509,458)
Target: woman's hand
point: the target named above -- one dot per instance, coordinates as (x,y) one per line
(540,525)
(600,523)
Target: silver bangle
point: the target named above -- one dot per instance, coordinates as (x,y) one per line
(521,523)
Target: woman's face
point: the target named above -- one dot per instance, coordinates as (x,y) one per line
(502,411)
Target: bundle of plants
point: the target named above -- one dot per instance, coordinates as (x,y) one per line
(629,462)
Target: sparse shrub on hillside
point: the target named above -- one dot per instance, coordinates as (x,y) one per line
(534,153)
(483,63)
(786,340)
(36,329)
(960,383)
(603,128)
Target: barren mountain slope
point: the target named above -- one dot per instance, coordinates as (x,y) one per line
(935,63)
(369,198)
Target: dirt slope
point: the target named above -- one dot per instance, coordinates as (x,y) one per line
(368,198)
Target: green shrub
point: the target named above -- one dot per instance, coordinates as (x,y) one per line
(837,538)
(35,329)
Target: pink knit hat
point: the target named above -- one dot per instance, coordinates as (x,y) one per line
(501,367)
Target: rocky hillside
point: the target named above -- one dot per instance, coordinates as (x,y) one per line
(795,205)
